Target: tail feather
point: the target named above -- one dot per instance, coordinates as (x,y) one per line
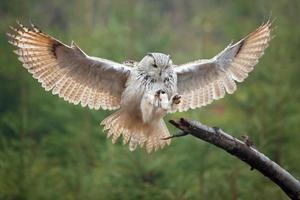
(135,132)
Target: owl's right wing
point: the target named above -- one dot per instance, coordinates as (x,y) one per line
(202,81)
(68,71)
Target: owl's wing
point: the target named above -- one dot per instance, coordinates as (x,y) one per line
(68,71)
(202,81)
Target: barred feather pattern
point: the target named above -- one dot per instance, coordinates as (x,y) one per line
(200,82)
(136,133)
(68,71)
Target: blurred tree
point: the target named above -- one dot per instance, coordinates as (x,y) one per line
(50,149)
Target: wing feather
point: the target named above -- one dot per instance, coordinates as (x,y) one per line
(68,71)
(202,81)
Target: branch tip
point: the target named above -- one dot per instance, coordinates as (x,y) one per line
(242,150)
(179,134)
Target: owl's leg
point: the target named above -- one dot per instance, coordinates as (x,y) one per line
(162,100)
(154,104)
(164,104)
(149,103)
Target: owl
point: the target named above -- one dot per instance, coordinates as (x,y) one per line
(142,92)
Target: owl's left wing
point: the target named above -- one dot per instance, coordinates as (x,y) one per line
(202,81)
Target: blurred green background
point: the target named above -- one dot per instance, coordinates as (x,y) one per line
(50,149)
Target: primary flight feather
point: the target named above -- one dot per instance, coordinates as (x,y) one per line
(143,92)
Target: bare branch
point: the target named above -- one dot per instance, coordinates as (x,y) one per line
(242,150)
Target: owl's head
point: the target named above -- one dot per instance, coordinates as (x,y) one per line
(156,63)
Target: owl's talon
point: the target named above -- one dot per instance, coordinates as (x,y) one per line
(176,99)
(159,92)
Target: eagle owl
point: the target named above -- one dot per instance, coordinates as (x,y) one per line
(143,92)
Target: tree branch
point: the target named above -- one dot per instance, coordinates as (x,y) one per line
(242,150)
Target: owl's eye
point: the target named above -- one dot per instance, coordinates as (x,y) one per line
(154,65)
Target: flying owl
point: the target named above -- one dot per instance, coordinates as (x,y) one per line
(142,92)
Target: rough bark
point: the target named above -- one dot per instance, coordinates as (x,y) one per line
(244,150)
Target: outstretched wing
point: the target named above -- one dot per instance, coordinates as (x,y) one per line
(202,81)
(68,71)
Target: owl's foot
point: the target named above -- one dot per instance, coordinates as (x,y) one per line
(161,100)
(158,93)
(176,99)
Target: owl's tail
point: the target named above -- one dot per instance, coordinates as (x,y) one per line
(135,132)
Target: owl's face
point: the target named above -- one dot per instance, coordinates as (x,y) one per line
(157,65)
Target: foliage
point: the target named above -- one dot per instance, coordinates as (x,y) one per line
(50,149)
